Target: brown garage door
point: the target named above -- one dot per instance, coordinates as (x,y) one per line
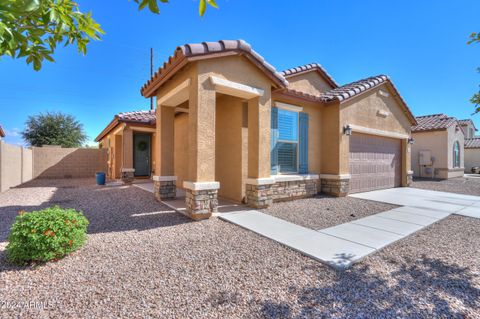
(375,162)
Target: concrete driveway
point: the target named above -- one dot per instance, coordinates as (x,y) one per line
(438,203)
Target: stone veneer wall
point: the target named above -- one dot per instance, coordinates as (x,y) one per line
(128,177)
(261,196)
(290,190)
(409,179)
(164,190)
(201,203)
(335,187)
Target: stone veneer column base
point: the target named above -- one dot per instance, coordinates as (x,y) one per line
(259,196)
(128,175)
(409,178)
(336,185)
(164,187)
(201,199)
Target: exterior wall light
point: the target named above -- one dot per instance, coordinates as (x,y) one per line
(347,130)
(411,140)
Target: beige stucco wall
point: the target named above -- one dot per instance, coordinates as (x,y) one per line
(437,143)
(231,147)
(440,144)
(57,162)
(12,166)
(368,111)
(181,148)
(310,82)
(472,158)
(330,140)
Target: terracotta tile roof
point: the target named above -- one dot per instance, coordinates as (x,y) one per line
(2,132)
(307,68)
(198,51)
(348,91)
(466,122)
(433,122)
(353,89)
(144,117)
(148,117)
(472,142)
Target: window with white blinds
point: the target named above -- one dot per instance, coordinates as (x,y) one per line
(287,145)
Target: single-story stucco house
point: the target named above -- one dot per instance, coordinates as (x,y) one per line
(227,124)
(438,150)
(472,145)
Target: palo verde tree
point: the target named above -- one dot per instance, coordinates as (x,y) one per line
(33,29)
(475,99)
(54,129)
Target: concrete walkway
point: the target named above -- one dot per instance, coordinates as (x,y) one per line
(342,245)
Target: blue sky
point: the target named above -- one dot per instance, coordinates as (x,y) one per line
(421,45)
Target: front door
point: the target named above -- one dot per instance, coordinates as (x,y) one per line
(141,154)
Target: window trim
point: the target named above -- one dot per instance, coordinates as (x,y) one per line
(295,109)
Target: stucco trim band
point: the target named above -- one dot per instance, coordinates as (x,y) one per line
(336,177)
(157,178)
(127,170)
(199,186)
(372,131)
(177,95)
(281,178)
(260,181)
(292,178)
(236,89)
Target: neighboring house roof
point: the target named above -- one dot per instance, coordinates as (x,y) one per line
(467,122)
(2,132)
(137,117)
(472,142)
(351,90)
(309,68)
(433,122)
(206,50)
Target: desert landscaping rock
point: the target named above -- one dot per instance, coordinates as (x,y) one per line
(460,185)
(143,260)
(325,211)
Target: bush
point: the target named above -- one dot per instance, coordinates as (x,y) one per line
(47,234)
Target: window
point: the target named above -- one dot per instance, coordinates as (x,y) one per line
(287,144)
(456,154)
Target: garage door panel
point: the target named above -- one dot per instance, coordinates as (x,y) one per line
(375,162)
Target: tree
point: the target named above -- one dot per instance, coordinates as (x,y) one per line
(54,129)
(34,28)
(475,99)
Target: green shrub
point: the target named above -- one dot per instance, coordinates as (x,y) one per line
(46,234)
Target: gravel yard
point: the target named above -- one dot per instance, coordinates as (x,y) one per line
(460,185)
(325,211)
(143,260)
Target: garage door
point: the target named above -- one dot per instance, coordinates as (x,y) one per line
(375,162)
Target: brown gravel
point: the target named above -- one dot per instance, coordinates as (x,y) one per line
(325,211)
(144,261)
(460,185)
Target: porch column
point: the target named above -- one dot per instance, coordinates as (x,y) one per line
(259,186)
(201,189)
(165,182)
(127,171)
